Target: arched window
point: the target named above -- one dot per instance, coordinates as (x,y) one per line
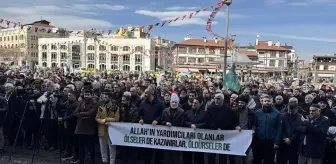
(126,68)
(91,47)
(91,56)
(53,47)
(114,67)
(126,58)
(44,47)
(114,57)
(102,48)
(126,48)
(138,68)
(138,58)
(63,47)
(102,56)
(138,48)
(53,65)
(44,64)
(91,66)
(114,48)
(102,67)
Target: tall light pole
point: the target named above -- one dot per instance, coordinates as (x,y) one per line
(227,3)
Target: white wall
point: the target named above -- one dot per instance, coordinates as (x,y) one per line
(147,44)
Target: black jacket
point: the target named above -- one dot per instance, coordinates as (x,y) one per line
(289,125)
(315,133)
(150,111)
(250,117)
(220,117)
(195,117)
(174,116)
(3,110)
(129,114)
(68,111)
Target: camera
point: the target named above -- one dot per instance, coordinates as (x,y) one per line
(23,93)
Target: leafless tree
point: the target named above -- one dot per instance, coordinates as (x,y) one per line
(10,54)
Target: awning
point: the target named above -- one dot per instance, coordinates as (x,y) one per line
(212,70)
(181,70)
(193,70)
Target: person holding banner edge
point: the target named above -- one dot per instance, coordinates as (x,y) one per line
(220,117)
(194,118)
(151,109)
(172,116)
(107,112)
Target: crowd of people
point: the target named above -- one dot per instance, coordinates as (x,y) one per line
(71,113)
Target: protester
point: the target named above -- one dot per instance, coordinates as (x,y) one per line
(313,132)
(267,129)
(172,116)
(202,104)
(107,113)
(220,117)
(86,125)
(194,119)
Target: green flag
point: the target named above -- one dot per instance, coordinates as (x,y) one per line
(231,80)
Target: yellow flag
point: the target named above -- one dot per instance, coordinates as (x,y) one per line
(121,31)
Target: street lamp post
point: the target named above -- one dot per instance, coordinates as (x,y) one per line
(227,3)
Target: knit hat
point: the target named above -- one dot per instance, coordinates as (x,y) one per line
(174,97)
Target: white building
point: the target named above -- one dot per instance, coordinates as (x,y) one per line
(19,45)
(102,53)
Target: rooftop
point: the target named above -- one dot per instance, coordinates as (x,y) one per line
(41,23)
(264,45)
(205,42)
(248,52)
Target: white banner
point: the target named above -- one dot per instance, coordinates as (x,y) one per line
(181,139)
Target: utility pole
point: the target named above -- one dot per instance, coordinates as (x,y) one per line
(227,3)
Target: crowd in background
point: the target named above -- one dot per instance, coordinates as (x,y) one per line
(72,113)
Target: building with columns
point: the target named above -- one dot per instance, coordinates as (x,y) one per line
(102,53)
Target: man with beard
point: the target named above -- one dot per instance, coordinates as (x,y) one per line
(69,124)
(220,117)
(325,111)
(86,125)
(288,148)
(245,122)
(135,98)
(252,101)
(330,98)
(117,93)
(194,119)
(267,128)
(207,99)
(172,116)
(187,105)
(166,99)
(313,136)
(128,113)
(107,113)
(299,95)
(150,113)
